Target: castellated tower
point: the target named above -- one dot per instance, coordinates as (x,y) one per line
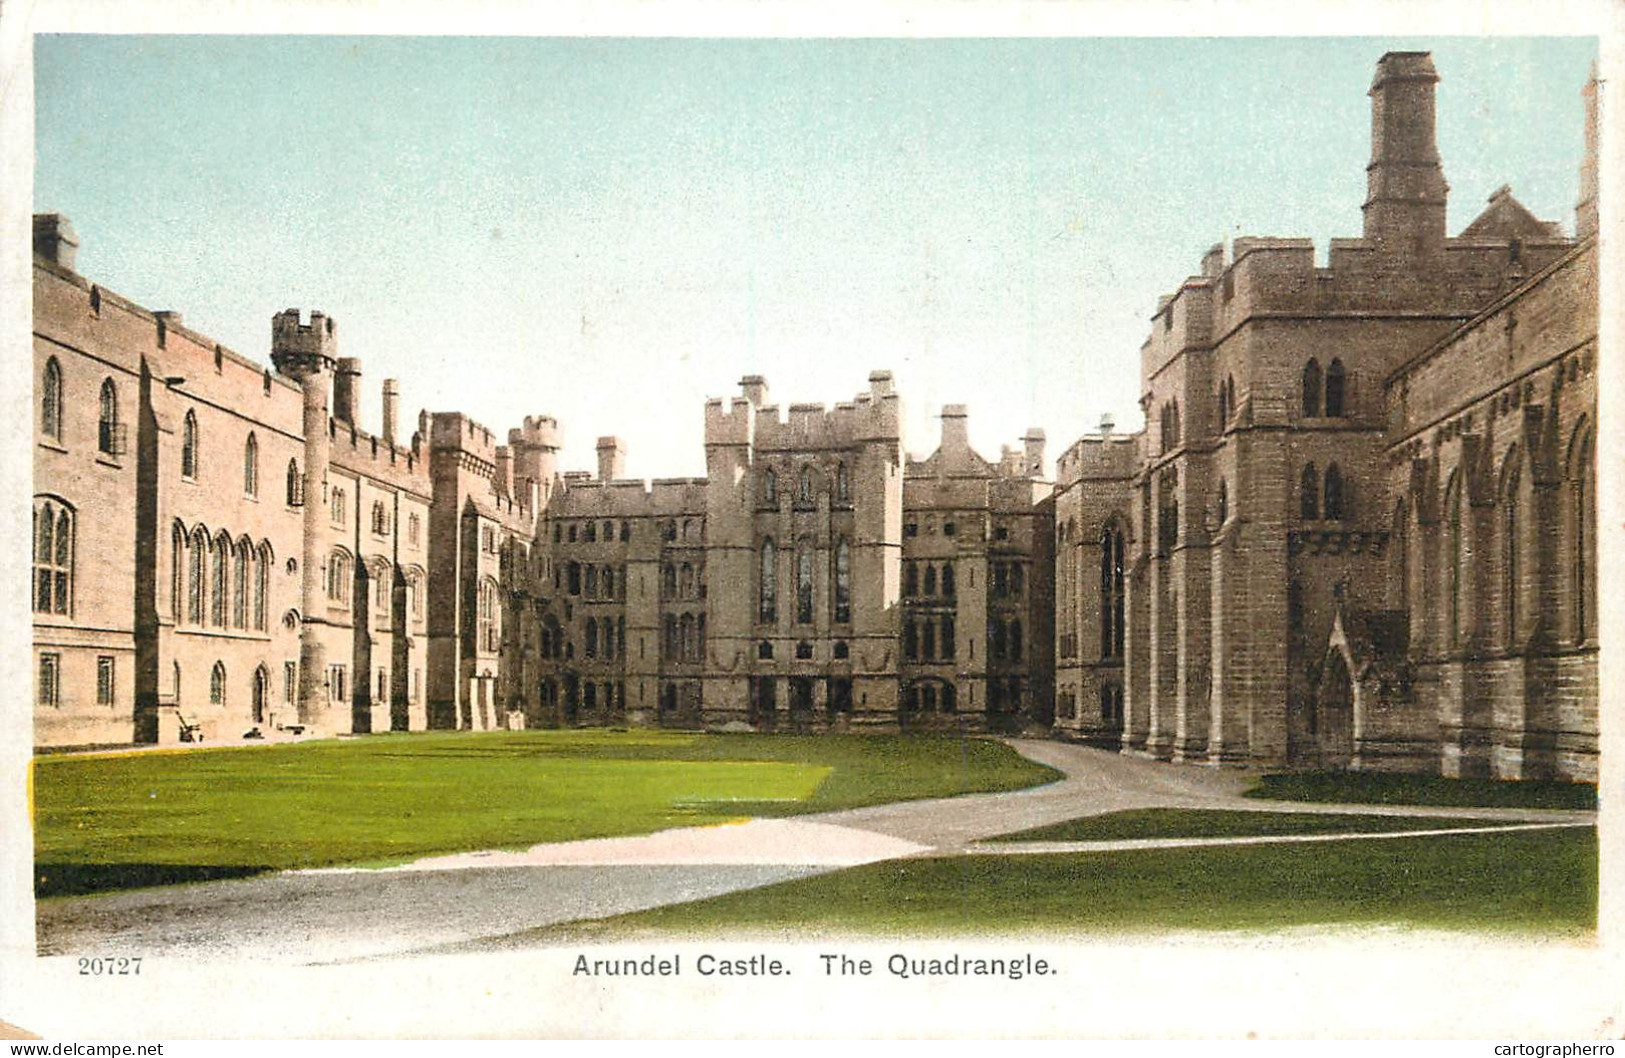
(535,448)
(1406,190)
(307,353)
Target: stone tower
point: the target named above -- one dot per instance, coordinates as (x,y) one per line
(1406,190)
(306,353)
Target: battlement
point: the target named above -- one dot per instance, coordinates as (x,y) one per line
(1099,457)
(538,431)
(586,496)
(371,456)
(453,429)
(297,347)
(875,415)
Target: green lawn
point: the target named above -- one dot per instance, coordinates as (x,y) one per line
(1217,823)
(113,821)
(1382,788)
(1522,881)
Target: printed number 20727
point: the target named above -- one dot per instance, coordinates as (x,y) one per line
(120,966)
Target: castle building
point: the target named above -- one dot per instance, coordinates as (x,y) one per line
(1358,530)
(1359,527)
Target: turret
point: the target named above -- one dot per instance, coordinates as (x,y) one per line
(1406,190)
(754,388)
(955,426)
(299,349)
(54,239)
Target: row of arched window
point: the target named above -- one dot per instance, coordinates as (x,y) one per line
(681,582)
(767,609)
(605,638)
(590,581)
(218,582)
(1169,425)
(111,433)
(926,579)
(929,638)
(1004,639)
(1007,580)
(1324,393)
(682,637)
(589,531)
(807,483)
(1501,540)
(1318,500)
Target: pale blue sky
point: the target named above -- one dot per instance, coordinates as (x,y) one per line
(609,231)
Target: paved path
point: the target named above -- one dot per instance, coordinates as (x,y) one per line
(448,901)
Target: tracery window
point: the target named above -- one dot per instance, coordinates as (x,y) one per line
(53,557)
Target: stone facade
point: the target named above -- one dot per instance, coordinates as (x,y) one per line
(1358,531)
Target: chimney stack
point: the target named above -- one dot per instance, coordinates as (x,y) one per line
(347,391)
(392,402)
(611,459)
(1585,214)
(1033,451)
(754,387)
(1405,186)
(54,239)
(502,484)
(955,426)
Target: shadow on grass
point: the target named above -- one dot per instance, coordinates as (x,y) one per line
(82,879)
(1382,788)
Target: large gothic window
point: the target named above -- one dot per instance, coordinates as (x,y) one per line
(804,584)
(220,573)
(843,582)
(1111,593)
(768,597)
(53,557)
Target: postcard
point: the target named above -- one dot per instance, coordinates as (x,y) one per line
(1008,520)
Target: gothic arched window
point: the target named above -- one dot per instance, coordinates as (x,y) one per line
(1333,508)
(251,466)
(108,437)
(1336,388)
(189,444)
(1311,389)
(51,400)
(1309,494)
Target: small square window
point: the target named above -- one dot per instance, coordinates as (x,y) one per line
(948,528)
(911,529)
(764,650)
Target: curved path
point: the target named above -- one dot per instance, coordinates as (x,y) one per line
(345,914)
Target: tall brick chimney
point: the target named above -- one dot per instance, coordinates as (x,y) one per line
(1585,214)
(754,388)
(392,403)
(1406,190)
(955,426)
(611,459)
(347,391)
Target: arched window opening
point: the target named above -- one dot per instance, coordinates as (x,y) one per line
(1311,389)
(843,582)
(948,580)
(591,648)
(1309,494)
(1336,389)
(296,485)
(1015,640)
(949,645)
(668,581)
(196,556)
(1335,497)
(241,557)
(217,684)
(804,584)
(251,466)
(843,485)
(770,487)
(930,580)
(262,586)
(220,573)
(109,434)
(806,495)
(189,443)
(51,400)
(1224,502)
(1509,553)
(768,590)
(1452,559)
